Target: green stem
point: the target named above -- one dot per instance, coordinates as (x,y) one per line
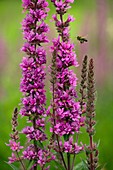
(91,147)
(91,155)
(20,160)
(61,153)
(74,157)
(68,161)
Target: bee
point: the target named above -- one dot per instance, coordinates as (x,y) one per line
(81,39)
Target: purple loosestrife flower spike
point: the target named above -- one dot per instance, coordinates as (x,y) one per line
(83,84)
(67,112)
(83,95)
(32,82)
(13,143)
(66,117)
(91,150)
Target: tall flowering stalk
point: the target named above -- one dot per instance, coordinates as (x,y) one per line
(83,96)
(66,116)
(83,84)
(91,150)
(13,143)
(32,82)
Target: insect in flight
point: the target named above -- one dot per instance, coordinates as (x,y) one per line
(82,39)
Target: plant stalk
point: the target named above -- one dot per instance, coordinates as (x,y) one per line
(74,157)
(53,130)
(68,161)
(91,154)
(20,161)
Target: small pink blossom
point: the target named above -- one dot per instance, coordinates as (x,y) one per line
(15,146)
(12,159)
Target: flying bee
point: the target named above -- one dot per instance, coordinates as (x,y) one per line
(82,39)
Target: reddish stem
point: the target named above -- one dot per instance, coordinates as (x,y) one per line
(91,154)
(91,147)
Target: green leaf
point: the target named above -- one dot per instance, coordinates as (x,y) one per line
(59,165)
(29,165)
(98,143)
(12,166)
(66,137)
(40,145)
(100,167)
(81,166)
(85,163)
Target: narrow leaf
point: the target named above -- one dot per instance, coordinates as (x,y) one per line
(81,166)
(40,145)
(12,166)
(29,165)
(100,167)
(98,143)
(59,166)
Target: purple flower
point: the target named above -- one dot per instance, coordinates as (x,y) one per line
(27,64)
(26,3)
(67,110)
(37,135)
(42,156)
(28,130)
(77,148)
(40,122)
(14,145)
(33,77)
(69,1)
(67,147)
(12,159)
(29,153)
(62,6)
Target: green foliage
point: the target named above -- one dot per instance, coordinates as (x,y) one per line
(12,166)
(101,167)
(59,165)
(29,165)
(81,166)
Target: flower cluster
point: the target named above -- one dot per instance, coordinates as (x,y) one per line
(14,145)
(33,76)
(68,118)
(33,134)
(13,158)
(44,156)
(69,146)
(62,6)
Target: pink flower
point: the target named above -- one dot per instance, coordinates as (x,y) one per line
(14,146)
(69,1)
(77,148)
(26,3)
(67,147)
(12,159)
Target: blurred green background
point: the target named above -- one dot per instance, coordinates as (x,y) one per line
(94,19)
